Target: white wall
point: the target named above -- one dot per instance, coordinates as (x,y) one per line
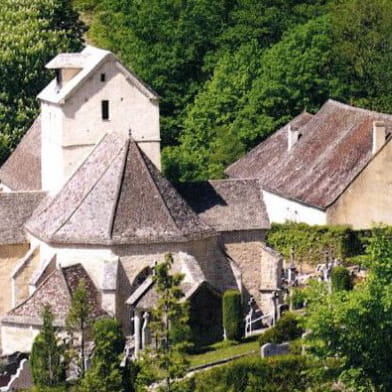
(16,337)
(71,130)
(281,210)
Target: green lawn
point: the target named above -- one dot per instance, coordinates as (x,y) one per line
(223,350)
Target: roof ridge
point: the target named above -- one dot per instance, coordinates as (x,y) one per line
(150,179)
(118,191)
(88,192)
(357,109)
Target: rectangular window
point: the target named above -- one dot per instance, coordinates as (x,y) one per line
(105,110)
(59,78)
(103,77)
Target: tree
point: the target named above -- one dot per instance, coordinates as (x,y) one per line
(362,33)
(45,356)
(356,325)
(167,43)
(169,326)
(79,319)
(31,33)
(105,374)
(253,92)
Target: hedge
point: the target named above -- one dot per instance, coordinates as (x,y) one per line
(275,374)
(341,279)
(311,242)
(232,314)
(287,328)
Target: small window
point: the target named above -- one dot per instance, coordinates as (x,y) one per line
(103,77)
(105,110)
(59,76)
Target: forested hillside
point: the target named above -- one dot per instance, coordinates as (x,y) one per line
(31,33)
(228,72)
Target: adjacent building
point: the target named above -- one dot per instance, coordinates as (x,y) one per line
(334,167)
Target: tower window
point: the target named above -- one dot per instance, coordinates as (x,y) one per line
(105,110)
(59,75)
(103,77)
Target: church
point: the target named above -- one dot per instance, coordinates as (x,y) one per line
(82,197)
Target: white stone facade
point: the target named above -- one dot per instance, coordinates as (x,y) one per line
(71,127)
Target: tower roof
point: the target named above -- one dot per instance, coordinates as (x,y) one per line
(117,196)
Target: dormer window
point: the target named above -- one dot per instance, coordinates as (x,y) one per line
(103,77)
(105,110)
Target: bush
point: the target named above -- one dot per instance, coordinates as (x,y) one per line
(252,374)
(341,279)
(232,314)
(286,329)
(298,298)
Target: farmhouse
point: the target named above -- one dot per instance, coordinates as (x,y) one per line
(334,167)
(83,198)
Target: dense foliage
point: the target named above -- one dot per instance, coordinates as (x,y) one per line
(31,33)
(356,325)
(276,374)
(232,314)
(341,279)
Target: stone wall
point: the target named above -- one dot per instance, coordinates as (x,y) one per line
(368,199)
(271,278)
(207,252)
(245,249)
(9,257)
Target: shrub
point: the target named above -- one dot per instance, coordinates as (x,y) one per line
(252,374)
(341,279)
(286,329)
(232,314)
(298,298)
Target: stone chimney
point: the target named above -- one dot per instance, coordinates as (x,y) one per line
(292,136)
(379,135)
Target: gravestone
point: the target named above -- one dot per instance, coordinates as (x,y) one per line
(272,349)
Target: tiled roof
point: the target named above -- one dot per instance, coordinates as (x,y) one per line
(228,205)
(22,170)
(335,146)
(15,209)
(56,291)
(117,196)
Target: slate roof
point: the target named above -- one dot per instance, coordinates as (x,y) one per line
(335,146)
(228,205)
(15,209)
(56,291)
(22,170)
(117,196)
(90,59)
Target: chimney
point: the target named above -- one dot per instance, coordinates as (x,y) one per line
(379,135)
(292,136)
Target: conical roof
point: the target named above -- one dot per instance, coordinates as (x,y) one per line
(117,196)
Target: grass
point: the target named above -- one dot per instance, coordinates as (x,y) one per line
(223,350)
